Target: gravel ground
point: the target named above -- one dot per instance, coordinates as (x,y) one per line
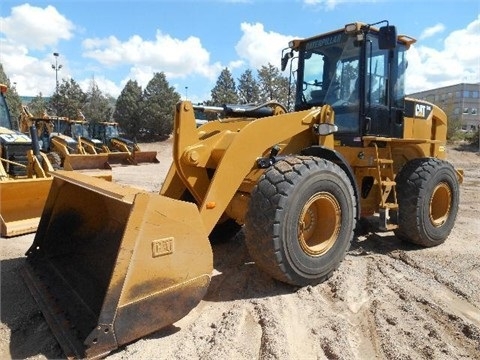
(388,299)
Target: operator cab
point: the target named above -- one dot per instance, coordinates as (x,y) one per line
(357,70)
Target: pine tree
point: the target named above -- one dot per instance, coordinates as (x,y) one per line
(38,105)
(97,106)
(69,99)
(225,91)
(273,86)
(159,99)
(127,109)
(248,88)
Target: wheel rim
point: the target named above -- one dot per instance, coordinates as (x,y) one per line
(440,204)
(319,224)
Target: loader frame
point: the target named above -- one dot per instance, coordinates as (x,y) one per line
(121,263)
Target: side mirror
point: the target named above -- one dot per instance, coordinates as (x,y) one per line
(387,37)
(285,59)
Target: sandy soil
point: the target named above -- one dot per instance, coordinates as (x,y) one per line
(388,299)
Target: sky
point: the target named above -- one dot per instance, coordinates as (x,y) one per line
(191,42)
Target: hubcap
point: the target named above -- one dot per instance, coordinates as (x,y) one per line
(440,204)
(319,224)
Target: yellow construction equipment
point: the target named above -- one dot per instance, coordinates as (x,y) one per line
(119,149)
(110,264)
(24,177)
(61,138)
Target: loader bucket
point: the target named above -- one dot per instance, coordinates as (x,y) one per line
(21,205)
(134,158)
(110,264)
(120,157)
(145,157)
(86,161)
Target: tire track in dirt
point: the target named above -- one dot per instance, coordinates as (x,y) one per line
(433,313)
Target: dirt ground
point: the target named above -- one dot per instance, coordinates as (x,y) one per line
(388,299)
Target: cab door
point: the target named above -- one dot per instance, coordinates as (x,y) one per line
(384,90)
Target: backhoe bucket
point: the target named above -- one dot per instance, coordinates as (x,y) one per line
(110,264)
(21,204)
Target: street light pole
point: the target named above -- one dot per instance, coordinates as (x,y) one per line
(186,92)
(56,67)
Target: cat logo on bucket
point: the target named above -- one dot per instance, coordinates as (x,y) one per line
(162,247)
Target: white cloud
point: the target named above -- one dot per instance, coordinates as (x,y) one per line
(332,4)
(175,57)
(458,61)
(31,74)
(259,47)
(431,31)
(106,86)
(46,24)
(30,28)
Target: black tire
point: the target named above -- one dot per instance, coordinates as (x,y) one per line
(55,160)
(428,197)
(301,190)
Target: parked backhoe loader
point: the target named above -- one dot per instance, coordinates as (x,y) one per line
(25,178)
(78,129)
(120,150)
(55,135)
(110,264)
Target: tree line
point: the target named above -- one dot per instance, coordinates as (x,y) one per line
(147,114)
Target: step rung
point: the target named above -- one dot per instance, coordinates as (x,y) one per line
(388,183)
(390,206)
(384,161)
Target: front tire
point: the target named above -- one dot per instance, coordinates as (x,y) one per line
(300,220)
(428,197)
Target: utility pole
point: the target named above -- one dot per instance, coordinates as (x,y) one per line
(56,67)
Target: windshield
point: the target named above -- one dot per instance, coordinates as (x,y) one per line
(79,130)
(329,75)
(111,131)
(330,71)
(4,114)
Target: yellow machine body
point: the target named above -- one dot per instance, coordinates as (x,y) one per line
(24,178)
(74,153)
(120,150)
(23,197)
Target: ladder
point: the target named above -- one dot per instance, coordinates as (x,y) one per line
(385,180)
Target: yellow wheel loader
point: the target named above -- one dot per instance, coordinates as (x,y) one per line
(110,264)
(119,149)
(25,178)
(55,135)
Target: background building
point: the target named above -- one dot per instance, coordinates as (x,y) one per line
(461,103)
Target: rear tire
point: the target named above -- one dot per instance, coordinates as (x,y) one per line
(428,197)
(300,220)
(55,160)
